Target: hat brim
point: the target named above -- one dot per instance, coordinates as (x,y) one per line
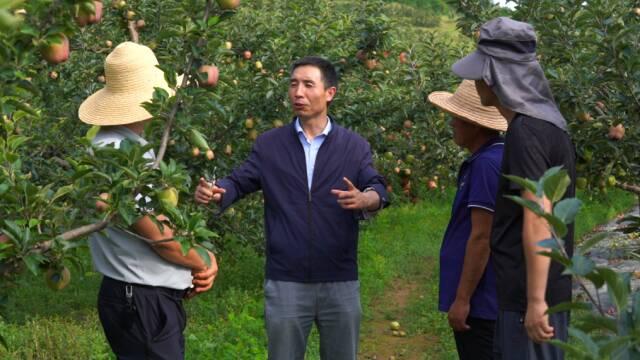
(483,116)
(470,67)
(106,108)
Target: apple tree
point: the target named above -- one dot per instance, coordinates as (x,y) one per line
(589,51)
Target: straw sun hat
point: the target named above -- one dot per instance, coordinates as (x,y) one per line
(131,74)
(465,104)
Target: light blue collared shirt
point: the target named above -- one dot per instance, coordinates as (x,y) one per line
(311,147)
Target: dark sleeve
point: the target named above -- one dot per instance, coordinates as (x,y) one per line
(244,179)
(525,154)
(368,177)
(483,183)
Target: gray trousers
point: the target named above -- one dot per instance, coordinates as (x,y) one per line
(511,341)
(292,308)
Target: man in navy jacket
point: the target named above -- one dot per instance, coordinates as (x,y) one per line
(317,180)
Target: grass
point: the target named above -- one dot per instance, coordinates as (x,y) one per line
(598,210)
(401,242)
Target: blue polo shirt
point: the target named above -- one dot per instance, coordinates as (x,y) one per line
(477,188)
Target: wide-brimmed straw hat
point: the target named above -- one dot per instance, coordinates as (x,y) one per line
(465,104)
(131,74)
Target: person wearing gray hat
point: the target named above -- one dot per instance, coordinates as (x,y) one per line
(508,76)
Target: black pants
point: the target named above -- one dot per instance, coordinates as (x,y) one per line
(513,343)
(477,342)
(148,324)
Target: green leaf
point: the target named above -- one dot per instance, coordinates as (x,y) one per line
(618,345)
(91,133)
(570,306)
(567,210)
(592,321)
(14,142)
(585,339)
(558,226)
(529,204)
(549,244)
(550,172)
(213,21)
(32,261)
(204,233)
(571,351)
(4,342)
(557,256)
(185,246)
(126,213)
(62,191)
(204,255)
(555,185)
(580,265)
(617,287)
(525,183)
(635,309)
(588,244)
(596,279)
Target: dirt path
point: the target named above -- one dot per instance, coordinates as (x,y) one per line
(378,342)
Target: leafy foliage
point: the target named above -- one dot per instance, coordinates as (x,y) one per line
(600,333)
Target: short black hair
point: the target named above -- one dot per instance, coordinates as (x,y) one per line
(327,70)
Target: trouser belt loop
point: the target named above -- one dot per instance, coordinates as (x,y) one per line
(128,292)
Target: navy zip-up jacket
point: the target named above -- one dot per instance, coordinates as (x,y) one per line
(309,237)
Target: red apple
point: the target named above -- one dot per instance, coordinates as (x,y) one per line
(247,55)
(102,204)
(228,4)
(370,64)
(56,53)
(85,17)
(212,75)
(402,57)
(616,132)
(585,116)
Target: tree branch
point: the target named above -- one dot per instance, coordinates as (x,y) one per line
(629,187)
(76,233)
(12,265)
(133,31)
(174,110)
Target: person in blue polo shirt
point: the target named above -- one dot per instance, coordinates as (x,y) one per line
(467,280)
(318,180)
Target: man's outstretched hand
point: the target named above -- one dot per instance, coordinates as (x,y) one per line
(206,192)
(354,199)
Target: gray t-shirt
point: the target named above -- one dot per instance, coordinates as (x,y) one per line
(123,256)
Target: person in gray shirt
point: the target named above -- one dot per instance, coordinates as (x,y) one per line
(146,275)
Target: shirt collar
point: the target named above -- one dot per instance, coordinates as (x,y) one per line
(129,134)
(325,132)
(491,142)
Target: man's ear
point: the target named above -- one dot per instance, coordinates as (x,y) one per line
(331,93)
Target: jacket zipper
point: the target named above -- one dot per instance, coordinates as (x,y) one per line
(308,274)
